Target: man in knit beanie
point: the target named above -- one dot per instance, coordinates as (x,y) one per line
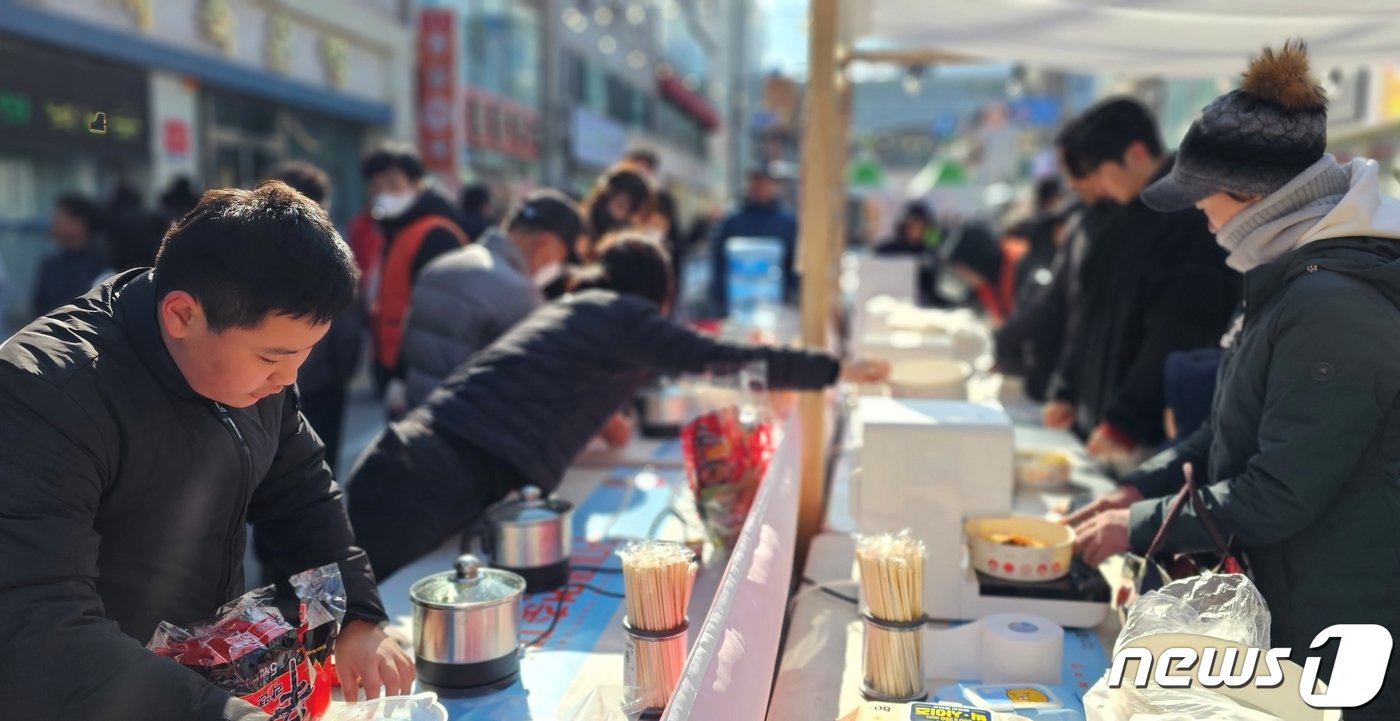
(1300,461)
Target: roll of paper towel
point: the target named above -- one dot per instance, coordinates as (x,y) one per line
(1005,648)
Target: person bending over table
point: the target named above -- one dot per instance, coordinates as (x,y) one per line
(519,412)
(146,425)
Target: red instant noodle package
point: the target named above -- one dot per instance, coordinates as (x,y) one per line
(251,651)
(726,459)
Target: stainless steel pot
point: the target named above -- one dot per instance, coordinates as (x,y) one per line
(466,626)
(532,536)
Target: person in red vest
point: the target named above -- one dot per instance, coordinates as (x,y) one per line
(419,225)
(367,243)
(989,267)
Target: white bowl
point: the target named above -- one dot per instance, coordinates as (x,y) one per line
(1020,563)
(1043,468)
(933,379)
(420,707)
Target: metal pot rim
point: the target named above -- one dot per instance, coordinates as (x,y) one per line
(475,606)
(559,506)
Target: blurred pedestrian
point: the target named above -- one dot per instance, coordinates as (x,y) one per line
(124,202)
(324,380)
(671,234)
(646,159)
(133,241)
(179,199)
(988,266)
(419,225)
(78,258)
(760,216)
(468,298)
(915,235)
(622,199)
(366,240)
(476,211)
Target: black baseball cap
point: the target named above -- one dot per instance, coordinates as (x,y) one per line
(550,211)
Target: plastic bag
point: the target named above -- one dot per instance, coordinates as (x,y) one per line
(422,707)
(322,595)
(726,458)
(252,652)
(249,650)
(609,703)
(1223,606)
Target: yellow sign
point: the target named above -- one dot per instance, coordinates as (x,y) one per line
(1026,695)
(1390,93)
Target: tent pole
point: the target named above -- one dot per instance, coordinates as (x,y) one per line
(816,232)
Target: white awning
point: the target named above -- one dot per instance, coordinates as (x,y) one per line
(1149,37)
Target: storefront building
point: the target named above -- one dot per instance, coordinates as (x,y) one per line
(215,91)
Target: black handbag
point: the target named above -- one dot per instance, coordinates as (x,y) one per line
(1152,570)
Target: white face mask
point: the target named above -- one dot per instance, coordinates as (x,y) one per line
(392,205)
(548,274)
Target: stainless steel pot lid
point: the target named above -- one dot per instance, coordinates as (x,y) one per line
(468,585)
(532,507)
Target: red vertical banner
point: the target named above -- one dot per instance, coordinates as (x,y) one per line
(437,84)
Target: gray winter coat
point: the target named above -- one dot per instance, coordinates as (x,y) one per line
(462,303)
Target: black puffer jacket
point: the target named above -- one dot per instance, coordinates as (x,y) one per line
(1300,461)
(538,395)
(124,501)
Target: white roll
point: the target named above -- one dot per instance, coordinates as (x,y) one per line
(1004,648)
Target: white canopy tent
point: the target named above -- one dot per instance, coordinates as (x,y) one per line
(1150,37)
(1202,38)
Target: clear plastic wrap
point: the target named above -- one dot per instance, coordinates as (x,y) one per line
(609,703)
(1223,606)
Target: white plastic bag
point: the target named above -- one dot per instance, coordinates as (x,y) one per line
(1223,606)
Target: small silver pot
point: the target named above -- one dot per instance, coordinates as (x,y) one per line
(466,626)
(663,411)
(532,536)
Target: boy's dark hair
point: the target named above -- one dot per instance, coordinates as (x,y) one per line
(1107,129)
(305,178)
(389,156)
(476,199)
(631,265)
(248,254)
(84,209)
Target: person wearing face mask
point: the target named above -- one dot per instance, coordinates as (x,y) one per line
(419,225)
(466,299)
(1298,461)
